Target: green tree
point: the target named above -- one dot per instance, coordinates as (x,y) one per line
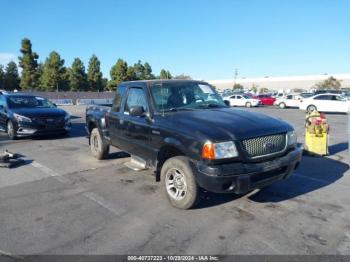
(130,73)
(52,76)
(65,79)
(139,70)
(77,76)
(254,88)
(2,75)
(105,83)
(329,83)
(183,77)
(28,63)
(237,87)
(147,72)
(165,74)
(11,77)
(94,75)
(118,73)
(263,90)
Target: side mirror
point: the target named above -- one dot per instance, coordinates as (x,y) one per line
(137,111)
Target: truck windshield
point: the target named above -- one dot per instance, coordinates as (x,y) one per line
(172,96)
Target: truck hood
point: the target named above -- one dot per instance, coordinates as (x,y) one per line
(227,124)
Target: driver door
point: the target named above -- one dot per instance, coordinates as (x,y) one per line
(136,129)
(240,100)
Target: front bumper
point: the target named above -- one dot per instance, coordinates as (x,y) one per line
(33,129)
(241,178)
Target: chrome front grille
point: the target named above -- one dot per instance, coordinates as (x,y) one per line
(264,145)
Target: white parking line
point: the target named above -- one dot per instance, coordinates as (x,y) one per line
(50,172)
(90,195)
(102,202)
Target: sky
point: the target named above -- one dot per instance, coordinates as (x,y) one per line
(206,39)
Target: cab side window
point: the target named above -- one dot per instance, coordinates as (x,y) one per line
(289,97)
(136,97)
(118,98)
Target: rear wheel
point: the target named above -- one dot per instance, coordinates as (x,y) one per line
(248,104)
(311,108)
(11,131)
(99,148)
(282,105)
(179,184)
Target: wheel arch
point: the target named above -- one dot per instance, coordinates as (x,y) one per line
(168,150)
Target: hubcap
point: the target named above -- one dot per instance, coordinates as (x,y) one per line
(175,184)
(10,130)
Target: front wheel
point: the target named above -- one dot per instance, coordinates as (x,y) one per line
(99,148)
(178,182)
(11,131)
(282,105)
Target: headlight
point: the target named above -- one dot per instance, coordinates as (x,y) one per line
(291,138)
(67,117)
(219,150)
(22,118)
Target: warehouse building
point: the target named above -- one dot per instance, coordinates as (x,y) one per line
(286,83)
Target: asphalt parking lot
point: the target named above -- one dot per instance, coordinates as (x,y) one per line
(63,201)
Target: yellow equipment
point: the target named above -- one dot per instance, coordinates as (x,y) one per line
(316,134)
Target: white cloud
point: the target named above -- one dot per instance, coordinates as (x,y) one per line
(5,58)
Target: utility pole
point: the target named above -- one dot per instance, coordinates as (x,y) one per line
(235,78)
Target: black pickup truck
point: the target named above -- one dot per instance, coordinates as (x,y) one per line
(185,132)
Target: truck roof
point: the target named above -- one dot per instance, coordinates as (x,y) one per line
(156,81)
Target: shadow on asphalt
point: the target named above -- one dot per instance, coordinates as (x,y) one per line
(210,199)
(334,149)
(313,173)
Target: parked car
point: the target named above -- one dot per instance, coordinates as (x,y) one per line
(191,142)
(306,94)
(327,102)
(266,99)
(28,115)
(328,91)
(291,100)
(241,100)
(277,95)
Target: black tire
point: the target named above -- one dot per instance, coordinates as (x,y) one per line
(11,131)
(248,104)
(282,105)
(180,165)
(99,147)
(311,108)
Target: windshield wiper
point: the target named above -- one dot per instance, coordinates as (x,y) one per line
(212,106)
(176,109)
